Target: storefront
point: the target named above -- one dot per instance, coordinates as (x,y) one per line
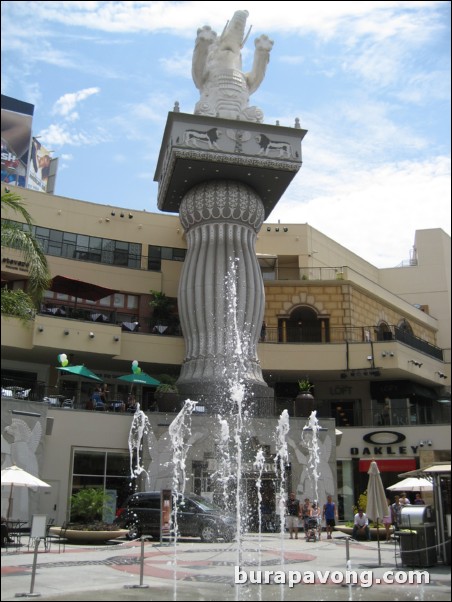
(395,451)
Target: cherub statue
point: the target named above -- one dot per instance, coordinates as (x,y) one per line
(217,71)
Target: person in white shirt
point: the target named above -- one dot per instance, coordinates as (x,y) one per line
(404,500)
(361,526)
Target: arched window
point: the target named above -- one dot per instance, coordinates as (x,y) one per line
(304,326)
(383,332)
(405,326)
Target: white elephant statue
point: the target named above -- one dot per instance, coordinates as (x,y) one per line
(217,71)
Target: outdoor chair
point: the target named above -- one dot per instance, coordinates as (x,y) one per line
(57,538)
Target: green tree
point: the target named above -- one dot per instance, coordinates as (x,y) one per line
(16,302)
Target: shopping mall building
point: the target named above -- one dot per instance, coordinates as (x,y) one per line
(375,343)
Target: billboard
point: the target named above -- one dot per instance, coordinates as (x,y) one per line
(16,121)
(39,169)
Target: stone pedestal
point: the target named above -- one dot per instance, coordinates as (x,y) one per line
(224,177)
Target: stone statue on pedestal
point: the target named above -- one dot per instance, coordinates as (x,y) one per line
(217,71)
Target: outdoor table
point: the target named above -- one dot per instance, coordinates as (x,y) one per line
(14,389)
(132,326)
(54,400)
(56,311)
(15,530)
(99,317)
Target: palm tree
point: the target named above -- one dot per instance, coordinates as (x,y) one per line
(14,236)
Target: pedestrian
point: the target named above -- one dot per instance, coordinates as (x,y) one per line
(361,525)
(293,513)
(387,521)
(98,399)
(317,514)
(306,515)
(404,500)
(131,403)
(396,513)
(329,514)
(418,500)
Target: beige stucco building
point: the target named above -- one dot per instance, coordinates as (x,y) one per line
(375,343)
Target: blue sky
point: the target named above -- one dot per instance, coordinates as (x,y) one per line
(370,81)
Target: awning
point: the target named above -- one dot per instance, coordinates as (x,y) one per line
(389,464)
(79,289)
(267,261)
(438,468)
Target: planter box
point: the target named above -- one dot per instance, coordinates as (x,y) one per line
(374,532)
(76,536)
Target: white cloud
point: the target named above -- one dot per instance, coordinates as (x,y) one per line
(375,212)
(59,135)
(65,105)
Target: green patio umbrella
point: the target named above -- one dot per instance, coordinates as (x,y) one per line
(140,379)
(81,371)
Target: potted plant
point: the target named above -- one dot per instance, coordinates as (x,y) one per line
(163,312)
(304,401)
(305,389)
(87,508)
(167,395)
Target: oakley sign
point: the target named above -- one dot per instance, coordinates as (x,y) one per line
(384,443)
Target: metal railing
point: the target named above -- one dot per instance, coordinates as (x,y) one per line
(311,333)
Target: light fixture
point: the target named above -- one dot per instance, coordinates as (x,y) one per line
(91,335)
(107,219)
(276,229)
(130,216)
(269,229)
(116,339)
(66,332)
(286,229)
(415,363)
(121,214)
(426,442)
(441,374)
(113,213)
(383,354)
(369,358)
(41,328)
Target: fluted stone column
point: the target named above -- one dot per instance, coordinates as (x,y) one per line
(221,294)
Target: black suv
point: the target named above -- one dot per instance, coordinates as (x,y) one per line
(196,517)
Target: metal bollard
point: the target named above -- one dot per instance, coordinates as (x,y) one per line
(140,585)
(32,594)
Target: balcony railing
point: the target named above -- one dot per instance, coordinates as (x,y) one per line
(348,334)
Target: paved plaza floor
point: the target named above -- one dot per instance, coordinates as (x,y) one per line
(198,571)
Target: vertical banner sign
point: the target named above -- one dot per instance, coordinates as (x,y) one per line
(165,510)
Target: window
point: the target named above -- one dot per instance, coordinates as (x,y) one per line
(86,248)
(156,254)
(105,469)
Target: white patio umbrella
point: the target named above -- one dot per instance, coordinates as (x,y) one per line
(377,505)
(17,477)
(412,484)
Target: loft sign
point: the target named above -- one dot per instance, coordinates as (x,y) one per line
(384,443)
